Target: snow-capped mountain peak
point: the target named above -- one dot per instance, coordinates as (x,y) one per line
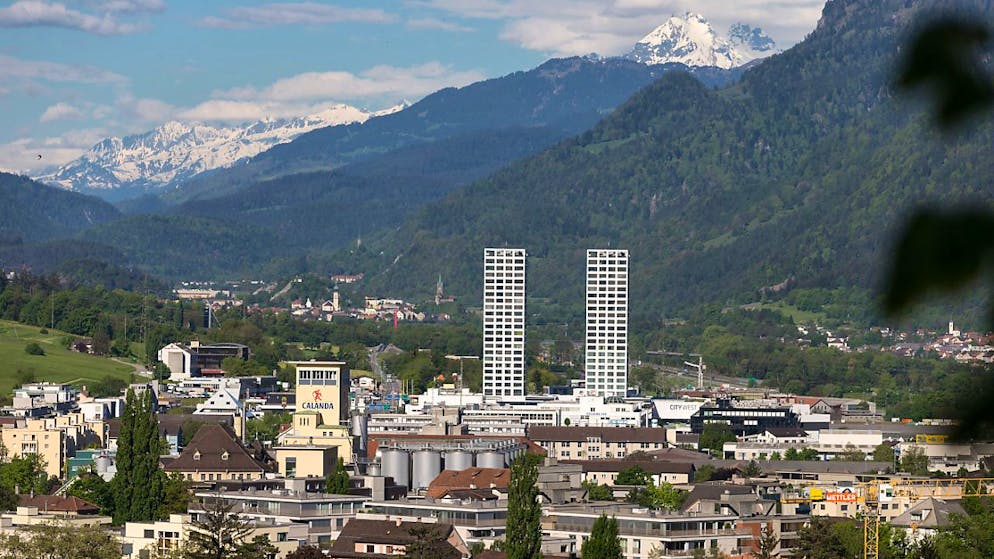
(691,40)
(176,151)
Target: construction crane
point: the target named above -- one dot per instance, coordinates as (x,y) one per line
(883,491)
(873,493)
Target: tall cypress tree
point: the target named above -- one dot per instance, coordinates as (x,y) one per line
(603,542)
(123,483)
(523,539)
(138,485)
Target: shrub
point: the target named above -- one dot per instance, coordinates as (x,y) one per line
(34,349)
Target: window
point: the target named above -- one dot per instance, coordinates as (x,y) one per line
(291,466)
(224,455)
(196,455)
(370,548)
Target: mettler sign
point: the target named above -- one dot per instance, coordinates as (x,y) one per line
(675,410)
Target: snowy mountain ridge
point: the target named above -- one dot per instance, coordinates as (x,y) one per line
(691,40)
(172,153)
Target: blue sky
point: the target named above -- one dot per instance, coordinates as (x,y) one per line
(74,72)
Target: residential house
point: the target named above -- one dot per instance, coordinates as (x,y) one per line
(384,539)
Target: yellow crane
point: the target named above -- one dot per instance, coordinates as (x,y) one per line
(883,491)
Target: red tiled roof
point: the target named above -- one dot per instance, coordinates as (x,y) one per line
(215,448)
(470,478)
(57,503)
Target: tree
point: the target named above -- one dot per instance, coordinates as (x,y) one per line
(92,488)
(61,541)
(175,495)
(850,454)
(306,552)
(138,484)
(767,544)
(633,476)
(914,461)
(32,348)
(883,452)
(523,539)
(428,543)
(752,469)
(337,481)
(704,473)
(25,474)
(663,496)
(603,542)
(597,492)
(220,534)
(714,436)
(818,541)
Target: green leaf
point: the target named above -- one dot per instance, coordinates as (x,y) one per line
(938,252)
(946,57)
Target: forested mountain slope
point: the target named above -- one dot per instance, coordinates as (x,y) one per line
(801,170)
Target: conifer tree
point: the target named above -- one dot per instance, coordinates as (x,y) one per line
(603,542)
(138,486)
(337,482)
(523,538)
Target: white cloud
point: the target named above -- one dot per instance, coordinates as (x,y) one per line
(611,27)
(293,13)
(131,6)
(11,68)
(435,23)
(143,110)
(38,13)
(61,111)
(21,155)
(385,83)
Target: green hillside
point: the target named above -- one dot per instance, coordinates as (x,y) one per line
(57,365)
(802,170)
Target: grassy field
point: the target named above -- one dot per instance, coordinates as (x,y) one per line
(57,365)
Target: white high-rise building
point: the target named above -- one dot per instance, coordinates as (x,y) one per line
(503,322)
(606,346)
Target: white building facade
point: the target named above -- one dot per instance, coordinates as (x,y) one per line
(606,346)
(504,323)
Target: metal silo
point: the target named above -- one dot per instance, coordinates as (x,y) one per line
(373,469)
(490,459)
(103,463)
(360,430)
(396,464)
(427,465)
(458,460)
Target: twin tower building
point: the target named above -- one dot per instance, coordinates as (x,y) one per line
(606,342)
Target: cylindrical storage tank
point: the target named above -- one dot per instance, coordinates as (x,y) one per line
(103,463)
(490,459)
(373,469)
(359,424)
(427,465)
(458,460)
(395,463)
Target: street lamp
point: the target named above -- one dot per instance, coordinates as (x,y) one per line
(461,358)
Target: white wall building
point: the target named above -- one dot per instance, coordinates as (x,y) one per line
(606,345)
(504,323)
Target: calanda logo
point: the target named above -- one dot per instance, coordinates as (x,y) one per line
(318,403)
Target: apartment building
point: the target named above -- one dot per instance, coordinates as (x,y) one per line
(504,323)
(606,346)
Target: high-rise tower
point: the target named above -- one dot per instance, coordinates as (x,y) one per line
(606,346)
(503,322)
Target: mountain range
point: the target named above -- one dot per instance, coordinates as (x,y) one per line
(160,161)
(691,40)
(165,157)
(720,182)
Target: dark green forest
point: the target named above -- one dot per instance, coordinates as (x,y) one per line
(801,171)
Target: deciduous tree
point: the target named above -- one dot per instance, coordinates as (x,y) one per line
(524,512)
(603,542)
